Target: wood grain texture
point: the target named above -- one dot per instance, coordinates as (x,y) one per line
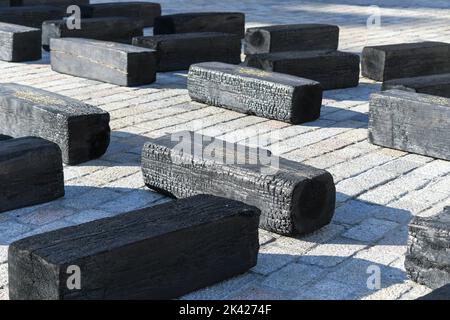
(179,51)
(80,130)
(19,43)
(411,122)
(293,198)
(31,16)
(291,37)
(143,13)
(161,252)
(252,91)
(405,60)
(226,22)
(31,172)
(428,256)
(436,84)
(442,293)
(333,69)
(120,64)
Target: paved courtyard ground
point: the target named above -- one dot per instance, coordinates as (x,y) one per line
(379,190)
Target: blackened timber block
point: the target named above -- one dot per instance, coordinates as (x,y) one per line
(161,252)
(428,256)
(253,91)
(405,60)
(293,198)
(179,51)
(412,122)
(226,22)
(47,2)
(31,16)
(116,29)
(81,130)
(142,12)
(116,63)
(442,293)
(31,172)
(19,43)
(436,84)
(291,37)
(333,69)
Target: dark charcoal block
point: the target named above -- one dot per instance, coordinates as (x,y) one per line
(161,252)
(333,69)
(294,198)
(32,16)
(31,172)
(442,293)
(81,130)
(117,29)
(65,3)
(179,51)
(405,60)
(19,43)
(437,84)
(291,37)
(226,22)
(427,259)
(142,12)
(115,63)
(410,121)
(252,91)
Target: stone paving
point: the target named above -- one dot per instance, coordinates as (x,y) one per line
(379,189)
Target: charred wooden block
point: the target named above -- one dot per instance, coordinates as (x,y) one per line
(19,43)
(253,91)
(31,172)
(293,198)
(226,22)
(411,122)
(333,69)
(179,51)
(442,293)
(291,37)
(45,2)
(81,130)
(428,259)
(142,12)
(405,60)
(115,63)
(116,29)
(436,84)
(161,252)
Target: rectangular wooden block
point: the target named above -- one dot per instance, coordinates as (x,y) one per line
(161,252)
(427,259)
(253,91)
(179,51)
(226,22)
(80,130)
(116,63)
(436,84)
(116,29)
(31,16)
(293,198)
(31,172)
(333,69)
(411,122)
(66,3)
(405,60)
(142,12)
(19,43)
(291,37)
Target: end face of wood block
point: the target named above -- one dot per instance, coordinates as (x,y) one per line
(180,51)
(253,91)
(110,62)
(293,198)
(160,252)
(31,172)
(411,122)
(405,60)
(291,37)
(333,69)
(80,130)
(19,43)
(226,22)
(437,84)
